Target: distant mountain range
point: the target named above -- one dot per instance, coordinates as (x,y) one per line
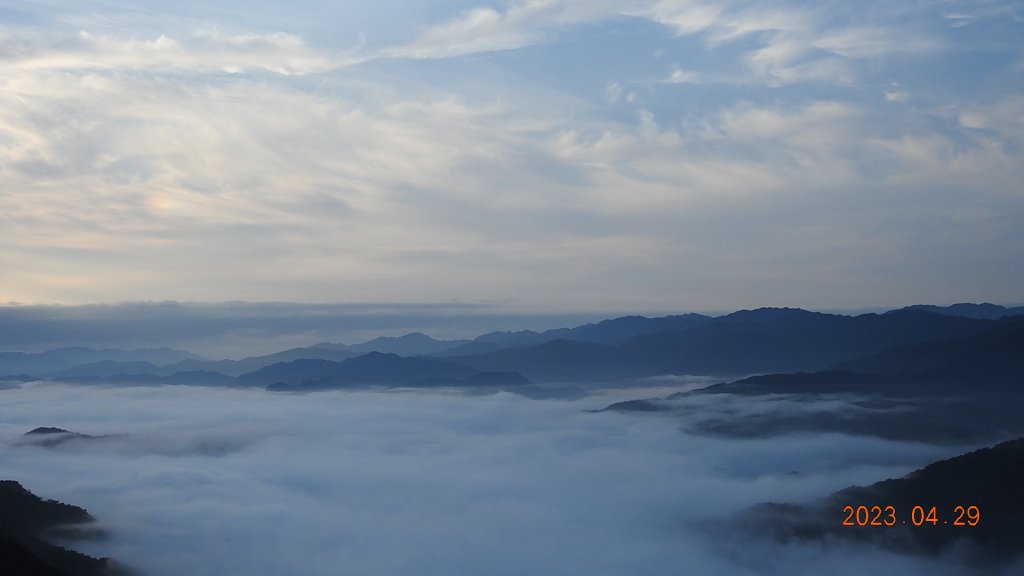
(964,389)
(981,311)
(52,361)
(985,361)
(767,340)
(611,332)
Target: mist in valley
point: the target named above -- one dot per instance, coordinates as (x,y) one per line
(226,481)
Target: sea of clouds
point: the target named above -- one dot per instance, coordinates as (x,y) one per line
(214,481)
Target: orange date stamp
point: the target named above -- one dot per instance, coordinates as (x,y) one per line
(918,516)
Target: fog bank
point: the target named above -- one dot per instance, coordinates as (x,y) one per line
(218,481)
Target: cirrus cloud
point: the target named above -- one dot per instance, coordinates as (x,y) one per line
(529,151)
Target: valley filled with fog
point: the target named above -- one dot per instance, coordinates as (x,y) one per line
(212,481)
(511,288)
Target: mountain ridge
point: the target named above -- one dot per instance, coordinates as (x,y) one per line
(763,340)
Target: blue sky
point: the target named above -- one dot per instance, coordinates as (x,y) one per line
(541,155)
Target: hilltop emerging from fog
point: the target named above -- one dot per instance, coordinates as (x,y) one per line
(915,379)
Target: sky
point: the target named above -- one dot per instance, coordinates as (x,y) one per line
(212,481)
(537,155)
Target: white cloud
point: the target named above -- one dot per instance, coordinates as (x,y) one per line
(165,160)
(681,76)
(333,191)
(788,31)
(802,54)
(796,43)
(962,14)
(685,17)
(959,20)
(896,96)
(875,42)
(206,51)
(612,92)
(485,29)
(1004,117)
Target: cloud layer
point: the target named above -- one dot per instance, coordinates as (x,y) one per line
(215,481)
(550,153)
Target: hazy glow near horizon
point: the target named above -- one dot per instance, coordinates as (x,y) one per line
(584,154)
